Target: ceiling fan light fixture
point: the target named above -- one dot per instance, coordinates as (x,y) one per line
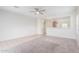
(37,13)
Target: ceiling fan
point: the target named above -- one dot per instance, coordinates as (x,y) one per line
(38,11)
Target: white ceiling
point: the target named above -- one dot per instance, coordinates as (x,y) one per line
(50,10)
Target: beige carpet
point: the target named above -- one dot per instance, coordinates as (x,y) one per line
(44,44)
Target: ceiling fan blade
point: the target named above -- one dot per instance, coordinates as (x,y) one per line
(37,9)
(42,10)
(34,12)
(41,13)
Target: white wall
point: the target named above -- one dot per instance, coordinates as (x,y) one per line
(13,25)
